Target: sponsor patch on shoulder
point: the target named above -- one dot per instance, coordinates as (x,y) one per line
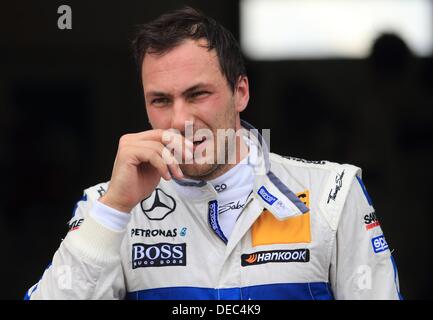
(75,225)
(379,244)
(371,221)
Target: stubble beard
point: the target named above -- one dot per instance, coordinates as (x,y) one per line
(209,171)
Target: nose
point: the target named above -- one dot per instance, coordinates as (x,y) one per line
(181,115)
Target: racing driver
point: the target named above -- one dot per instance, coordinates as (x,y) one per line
(175,222)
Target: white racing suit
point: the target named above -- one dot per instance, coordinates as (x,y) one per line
(308,231)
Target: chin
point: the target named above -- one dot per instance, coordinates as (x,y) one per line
(198,171)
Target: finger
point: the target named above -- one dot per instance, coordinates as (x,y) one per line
(178,145)
(138,155)
(173,164)
(169,159)
(157,162)
(162,135)
(172,138)
(154,159)
(155,135)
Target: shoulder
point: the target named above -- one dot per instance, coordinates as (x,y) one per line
(90,195)
(95,192)
(318,167)
(330,182)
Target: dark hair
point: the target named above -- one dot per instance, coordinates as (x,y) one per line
(171,29)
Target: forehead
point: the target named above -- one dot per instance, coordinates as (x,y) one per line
(186,64)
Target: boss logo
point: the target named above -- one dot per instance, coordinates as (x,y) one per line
(158,255)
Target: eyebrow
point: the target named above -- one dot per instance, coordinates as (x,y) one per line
(184,93)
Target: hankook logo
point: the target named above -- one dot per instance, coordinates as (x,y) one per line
(297,255)
(158,205)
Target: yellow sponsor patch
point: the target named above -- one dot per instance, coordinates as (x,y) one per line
(269,230)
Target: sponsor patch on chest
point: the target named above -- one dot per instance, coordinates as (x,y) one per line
(269,230)
(261,257)
(158,255)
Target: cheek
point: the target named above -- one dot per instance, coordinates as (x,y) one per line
(216,110)
(158,118)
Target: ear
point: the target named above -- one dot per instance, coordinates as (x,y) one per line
(242,94)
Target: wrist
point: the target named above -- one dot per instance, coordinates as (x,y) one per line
(105,199)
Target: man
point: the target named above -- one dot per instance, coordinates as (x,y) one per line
(175,223)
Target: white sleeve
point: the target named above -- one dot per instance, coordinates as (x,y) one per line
(362,266)
(87,264)
(109,217)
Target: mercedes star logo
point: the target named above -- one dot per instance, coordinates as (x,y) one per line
(158,205)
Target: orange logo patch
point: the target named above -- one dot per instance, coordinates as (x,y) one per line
(251,259)
(304,197)
(269,230)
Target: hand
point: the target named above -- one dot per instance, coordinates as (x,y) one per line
(141,160)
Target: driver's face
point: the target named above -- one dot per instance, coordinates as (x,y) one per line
(186,84)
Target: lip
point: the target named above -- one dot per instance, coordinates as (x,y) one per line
(198,143)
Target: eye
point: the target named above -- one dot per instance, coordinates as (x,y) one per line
(160,101)
(198,94)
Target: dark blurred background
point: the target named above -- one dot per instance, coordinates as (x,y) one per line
(66,96)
